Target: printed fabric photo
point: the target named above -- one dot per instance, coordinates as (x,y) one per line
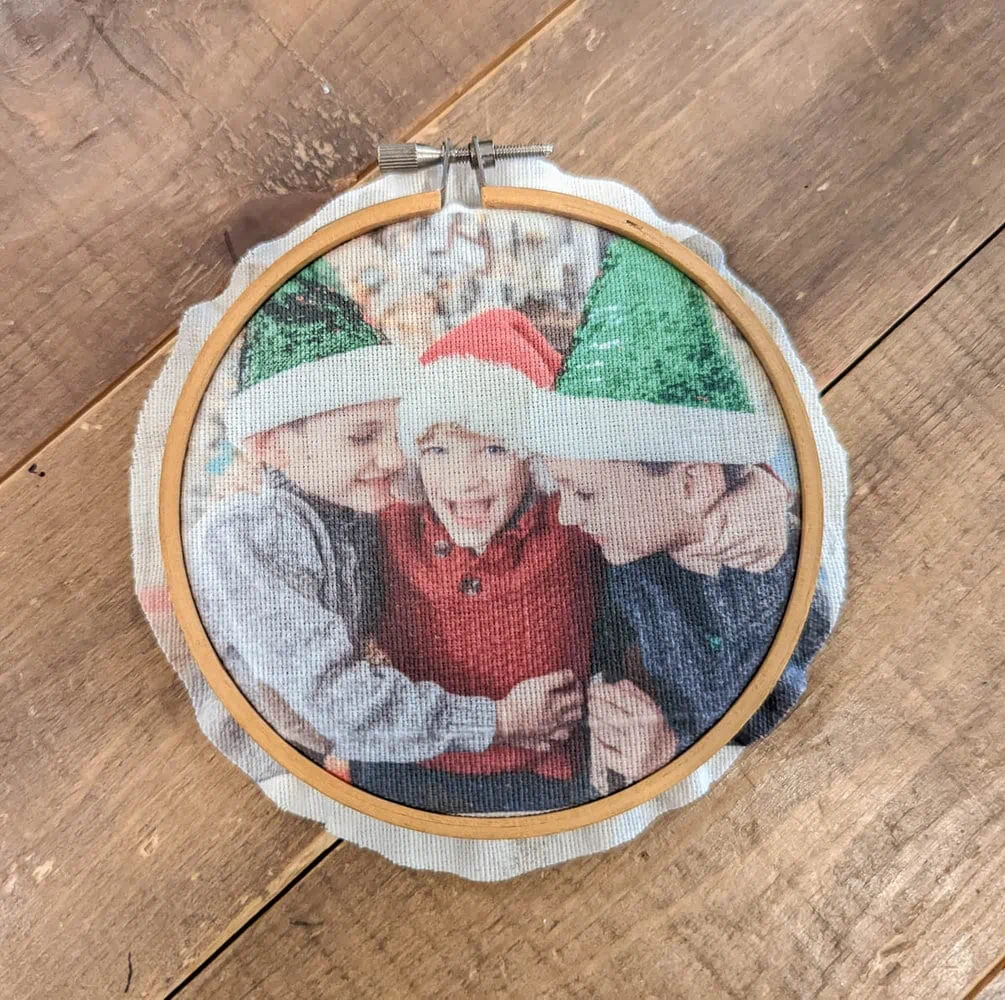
(495,513)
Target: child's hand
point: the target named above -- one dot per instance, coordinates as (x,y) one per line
(540,711)
(747,529)
(628,733)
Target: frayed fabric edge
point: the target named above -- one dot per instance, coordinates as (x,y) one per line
(478,860)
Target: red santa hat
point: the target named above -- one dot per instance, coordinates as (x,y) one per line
(483,376)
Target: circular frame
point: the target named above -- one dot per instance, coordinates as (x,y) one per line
(534,824)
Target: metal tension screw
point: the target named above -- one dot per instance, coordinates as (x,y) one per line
(413,156)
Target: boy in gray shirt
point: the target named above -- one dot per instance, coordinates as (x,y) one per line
(287,579)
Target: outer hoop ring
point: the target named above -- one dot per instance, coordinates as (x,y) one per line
(496,827)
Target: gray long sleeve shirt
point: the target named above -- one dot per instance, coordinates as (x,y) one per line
(288,588)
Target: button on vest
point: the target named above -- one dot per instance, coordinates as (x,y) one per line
(470,586)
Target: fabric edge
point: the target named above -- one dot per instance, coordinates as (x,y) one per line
(468,859)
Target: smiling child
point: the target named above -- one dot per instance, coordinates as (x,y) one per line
(485,589)
(287,578)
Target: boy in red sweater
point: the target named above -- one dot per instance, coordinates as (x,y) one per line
(485,589)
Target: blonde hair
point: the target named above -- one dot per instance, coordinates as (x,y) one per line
(450,427)
(409,486)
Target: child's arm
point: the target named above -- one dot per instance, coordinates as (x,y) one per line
(739,618)
(259,576)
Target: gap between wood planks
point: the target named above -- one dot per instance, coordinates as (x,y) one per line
(908,313)
(984,980)
(363,174)
(219,949)
(973,991)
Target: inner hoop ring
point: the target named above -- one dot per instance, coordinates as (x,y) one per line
(493,827)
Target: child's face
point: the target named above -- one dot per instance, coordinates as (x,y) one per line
(348,456)
(629,512)
(473,483)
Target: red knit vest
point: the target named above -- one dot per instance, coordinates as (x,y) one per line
(479,625)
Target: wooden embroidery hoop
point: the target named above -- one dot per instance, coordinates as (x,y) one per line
(492,827)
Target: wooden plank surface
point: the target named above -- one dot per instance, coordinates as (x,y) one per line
(860,852)
(125,839)
(848,155)
(92,706)
(134,134)
(68,540)
(778,126)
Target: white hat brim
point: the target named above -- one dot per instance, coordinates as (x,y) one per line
(607,429)
(480,396)
(360,375)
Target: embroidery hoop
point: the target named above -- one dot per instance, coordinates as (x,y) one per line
(524,199)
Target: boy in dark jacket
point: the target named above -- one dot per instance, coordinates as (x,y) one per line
(658,433)
(699,576)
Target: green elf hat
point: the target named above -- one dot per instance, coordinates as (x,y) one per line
(309,349)
(655,374)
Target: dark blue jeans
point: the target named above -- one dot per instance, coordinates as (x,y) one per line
(446,792)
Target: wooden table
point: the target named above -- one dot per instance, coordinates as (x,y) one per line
(849,156)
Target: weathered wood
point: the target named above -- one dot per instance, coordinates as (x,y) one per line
(118,748)
(859,852)
(990,984)
(122,832)
(847,155)
(133,135)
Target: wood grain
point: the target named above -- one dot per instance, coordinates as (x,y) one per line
(859,852)
(764,348)
(133,135)
(847,155)
(990,984)
(124,837)
(910,154)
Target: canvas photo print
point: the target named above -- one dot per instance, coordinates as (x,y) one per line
(494,513)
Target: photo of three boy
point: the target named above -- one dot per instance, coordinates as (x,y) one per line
(346,460)
(489,565)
